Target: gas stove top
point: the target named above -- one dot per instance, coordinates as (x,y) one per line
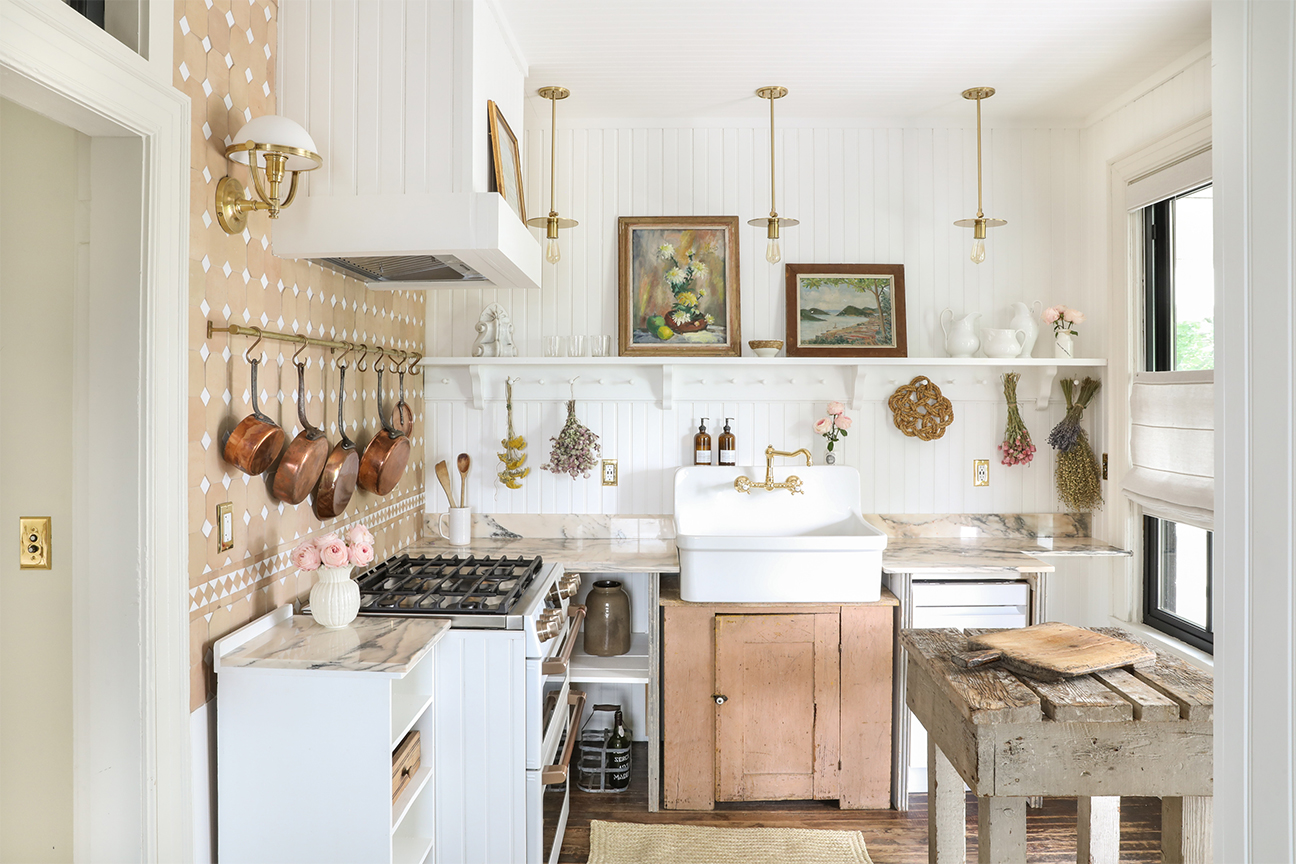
(446,585)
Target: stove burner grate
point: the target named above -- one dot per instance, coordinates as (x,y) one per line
(473,585)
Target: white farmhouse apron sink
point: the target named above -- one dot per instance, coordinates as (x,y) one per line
(773,546)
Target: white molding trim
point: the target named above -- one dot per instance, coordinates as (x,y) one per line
(1125,344)
(54,62)
(1150,83)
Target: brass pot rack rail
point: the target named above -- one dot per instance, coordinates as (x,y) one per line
(332,344)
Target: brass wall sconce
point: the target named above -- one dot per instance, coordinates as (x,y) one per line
(552,222)
(271,146)
(771,223)
(980,222)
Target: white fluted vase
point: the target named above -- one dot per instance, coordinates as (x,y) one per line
(335,599)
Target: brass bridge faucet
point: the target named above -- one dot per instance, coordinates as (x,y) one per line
(792,483)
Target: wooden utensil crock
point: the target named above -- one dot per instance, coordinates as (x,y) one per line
(387,454)
(338,481)
(304,459)
(257,440)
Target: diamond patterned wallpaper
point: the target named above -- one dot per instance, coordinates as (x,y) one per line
(224,52)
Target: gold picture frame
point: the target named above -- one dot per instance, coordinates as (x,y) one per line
(507,161)
(678,286)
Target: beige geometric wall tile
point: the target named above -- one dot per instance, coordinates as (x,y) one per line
(224,54)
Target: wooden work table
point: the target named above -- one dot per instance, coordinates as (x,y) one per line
(1144,731)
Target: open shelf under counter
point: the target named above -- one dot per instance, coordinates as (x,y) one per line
(776,379)
(628,668)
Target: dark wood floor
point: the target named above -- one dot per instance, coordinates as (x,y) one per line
(891,837)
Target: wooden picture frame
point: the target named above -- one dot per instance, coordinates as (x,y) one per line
(507,160)
(834,326)
(678,286)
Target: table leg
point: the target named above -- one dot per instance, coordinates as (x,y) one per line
(1098,830)
(946,824)
(1001,837)
(1186,830)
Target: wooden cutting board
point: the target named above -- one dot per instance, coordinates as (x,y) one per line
(1054,651)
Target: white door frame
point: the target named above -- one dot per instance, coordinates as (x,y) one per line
(57,64)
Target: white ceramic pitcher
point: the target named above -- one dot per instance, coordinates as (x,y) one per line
(960,334)
(1026,319)
(1002,344)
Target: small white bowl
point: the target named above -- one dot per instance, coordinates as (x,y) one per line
(766,347)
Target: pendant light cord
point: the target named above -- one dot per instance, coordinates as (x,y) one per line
(773,209)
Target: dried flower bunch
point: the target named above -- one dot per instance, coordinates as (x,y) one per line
(513,444)
(575,450)
(332,551)
(1077,474)
(835,424)
(1017,447)
(1063,318)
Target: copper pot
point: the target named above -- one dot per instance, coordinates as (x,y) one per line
(338,481)
(257,440)
(304,459)
(386,455)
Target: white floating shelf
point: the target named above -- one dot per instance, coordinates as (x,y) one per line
(774,379)
(629,668)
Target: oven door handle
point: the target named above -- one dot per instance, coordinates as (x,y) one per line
(558,665)
(552,774)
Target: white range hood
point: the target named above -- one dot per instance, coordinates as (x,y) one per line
(395,95)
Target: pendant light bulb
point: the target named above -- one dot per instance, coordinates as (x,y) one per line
(978,251)
(772,252)
(553,222)
(980,222)
(553,254)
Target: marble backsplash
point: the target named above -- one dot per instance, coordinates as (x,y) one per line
(1013,526)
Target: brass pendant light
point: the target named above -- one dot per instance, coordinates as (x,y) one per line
(553,221)
(980,222)
(772,222)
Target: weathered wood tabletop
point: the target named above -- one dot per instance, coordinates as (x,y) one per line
(1143,731)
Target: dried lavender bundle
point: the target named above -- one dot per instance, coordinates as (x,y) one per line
(1067,432)
(1077,476)
(575,449)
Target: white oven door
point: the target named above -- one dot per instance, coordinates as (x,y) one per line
(554,776)
(543,678)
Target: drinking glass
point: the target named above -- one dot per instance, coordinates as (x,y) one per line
(553,346)
(600,346)
(575,346)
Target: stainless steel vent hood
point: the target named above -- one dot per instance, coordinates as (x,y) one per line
(395,95)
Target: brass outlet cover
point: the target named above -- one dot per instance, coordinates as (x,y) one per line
(980,472)
(225,526)
(609,472)
(34,543)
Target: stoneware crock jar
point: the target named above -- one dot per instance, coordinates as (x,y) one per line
(335,599)
(607,619)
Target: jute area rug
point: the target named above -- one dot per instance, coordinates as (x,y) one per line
(631,843)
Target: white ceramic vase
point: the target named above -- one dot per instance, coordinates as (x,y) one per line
(335,599)
(1026,318)
(1063,344)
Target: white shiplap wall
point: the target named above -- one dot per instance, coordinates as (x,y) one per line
(869,195)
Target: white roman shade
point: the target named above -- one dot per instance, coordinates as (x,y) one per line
(1169,180)
(1172,446)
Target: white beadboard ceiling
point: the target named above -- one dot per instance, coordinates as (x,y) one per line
(1059,60)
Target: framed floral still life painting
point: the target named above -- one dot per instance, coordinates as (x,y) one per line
(846,310)
(678,281)
(506,160)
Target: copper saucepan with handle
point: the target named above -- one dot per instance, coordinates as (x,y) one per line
(338,481)
(403,415)
(387,453)
(304,459)
(257,440)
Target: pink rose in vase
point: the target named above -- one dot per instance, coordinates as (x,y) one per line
(362,554)
(334,554)
(359,534)
(822,426)
(331,537)
(843,422)
(835,408)
(306,557)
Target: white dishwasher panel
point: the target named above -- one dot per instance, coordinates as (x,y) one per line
(948,594)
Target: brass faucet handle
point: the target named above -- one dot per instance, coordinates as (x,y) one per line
(743,484)
(793,484)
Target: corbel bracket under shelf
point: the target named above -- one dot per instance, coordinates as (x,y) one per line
(1044,387)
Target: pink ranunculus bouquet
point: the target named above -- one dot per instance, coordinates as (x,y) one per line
(1063,318)
(333,551)
(833,426)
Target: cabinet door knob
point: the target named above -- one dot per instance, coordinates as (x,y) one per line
(720,699)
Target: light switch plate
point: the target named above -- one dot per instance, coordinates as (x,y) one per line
(980,472)
(609,472)
(34,543)
(225,526)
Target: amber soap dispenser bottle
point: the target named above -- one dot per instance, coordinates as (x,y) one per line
(728,446)
(702,445)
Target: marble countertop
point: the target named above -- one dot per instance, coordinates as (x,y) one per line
(583,555)
(368,645)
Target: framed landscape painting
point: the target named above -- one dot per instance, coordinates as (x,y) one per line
(846,310)
(678,286)
(506,161)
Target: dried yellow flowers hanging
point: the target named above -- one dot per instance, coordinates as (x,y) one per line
(512,457)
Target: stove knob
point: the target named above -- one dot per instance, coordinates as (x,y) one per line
(549,624)
(569,585)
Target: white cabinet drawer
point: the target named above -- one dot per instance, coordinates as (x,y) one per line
(971,593)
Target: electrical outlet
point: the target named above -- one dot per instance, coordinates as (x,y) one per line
(609,472)
(1104,466)
(34,543)
(225,526)
(980,472)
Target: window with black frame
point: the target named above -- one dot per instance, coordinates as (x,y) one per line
(1179,300)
